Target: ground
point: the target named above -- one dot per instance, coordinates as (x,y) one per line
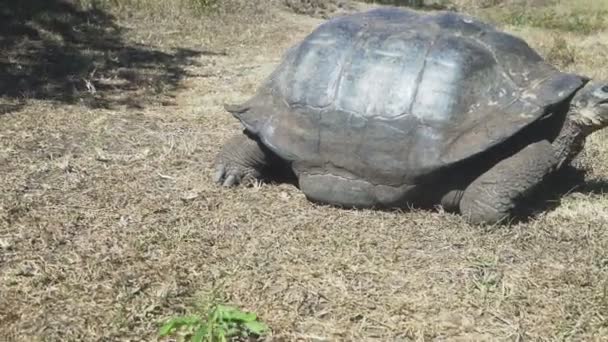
(110,224)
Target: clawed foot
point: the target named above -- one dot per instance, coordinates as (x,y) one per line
(242,160)
(231,175)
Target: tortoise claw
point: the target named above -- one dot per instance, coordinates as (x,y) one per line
(220,170)
(230,181)
(227,176)
(240,160)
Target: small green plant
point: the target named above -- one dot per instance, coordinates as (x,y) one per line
(219,324)
(205,6)
(577,20)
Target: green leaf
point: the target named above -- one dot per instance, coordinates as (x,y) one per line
(224,308)
(201,333)
(211,328)
(232,314)
(221,335)
(216,315)
(178,322)
(257,328)
(232,332)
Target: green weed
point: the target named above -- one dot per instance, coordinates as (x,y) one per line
(199,6)
(219,324)
(576,20)
(205,5)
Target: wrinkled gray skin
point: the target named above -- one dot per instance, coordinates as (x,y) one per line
(392,108)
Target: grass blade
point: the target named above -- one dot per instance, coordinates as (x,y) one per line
(257,328)
(200,335)
(235,315)
(178,322)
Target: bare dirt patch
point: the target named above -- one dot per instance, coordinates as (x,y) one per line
(109,222)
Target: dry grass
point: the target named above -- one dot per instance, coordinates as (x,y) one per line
(109,223)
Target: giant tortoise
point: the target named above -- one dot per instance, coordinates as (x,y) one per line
(392,108)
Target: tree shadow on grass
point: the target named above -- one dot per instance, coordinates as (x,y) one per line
(54,50)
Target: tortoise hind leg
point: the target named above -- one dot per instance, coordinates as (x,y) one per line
(492,197)
(243,158)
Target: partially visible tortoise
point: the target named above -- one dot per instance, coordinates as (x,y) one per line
(394,108)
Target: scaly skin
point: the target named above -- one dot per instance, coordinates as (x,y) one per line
(241,160)
(492,196)
(488,199)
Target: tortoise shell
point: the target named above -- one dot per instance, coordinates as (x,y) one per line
(391,95)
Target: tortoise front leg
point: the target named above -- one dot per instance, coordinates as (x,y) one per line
(242,158)
(492,197)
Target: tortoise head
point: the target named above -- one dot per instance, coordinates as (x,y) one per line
(590,106)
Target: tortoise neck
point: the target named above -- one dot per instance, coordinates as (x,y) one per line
(570,141)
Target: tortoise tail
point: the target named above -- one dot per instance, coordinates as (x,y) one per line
(236,109)
(249,114)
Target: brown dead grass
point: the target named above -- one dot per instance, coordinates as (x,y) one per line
(109,224)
